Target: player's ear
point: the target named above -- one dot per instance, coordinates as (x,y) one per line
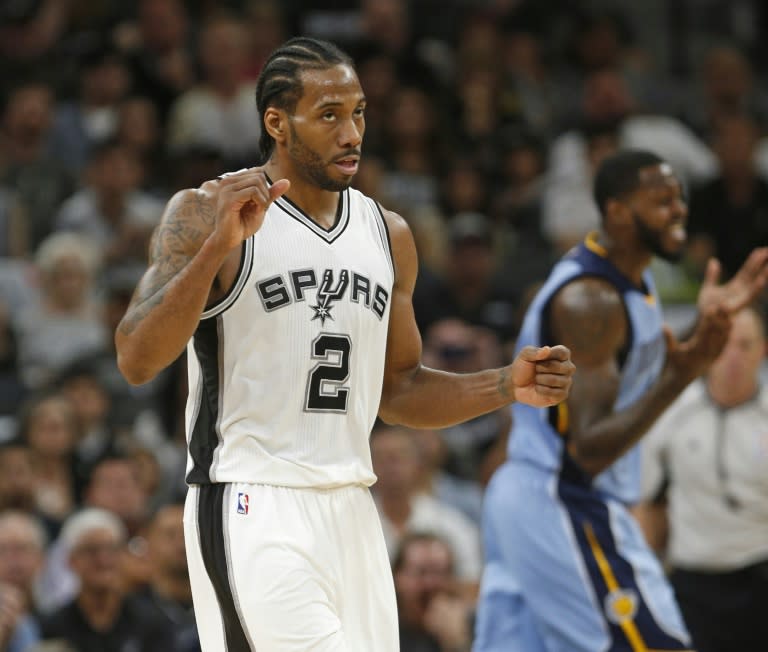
(276,123)
(618,212)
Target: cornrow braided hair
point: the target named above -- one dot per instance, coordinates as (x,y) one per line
(279,83)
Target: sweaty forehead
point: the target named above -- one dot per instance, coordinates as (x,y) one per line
(330,85)
(658,177)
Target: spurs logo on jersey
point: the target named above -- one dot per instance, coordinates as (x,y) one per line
(276,292)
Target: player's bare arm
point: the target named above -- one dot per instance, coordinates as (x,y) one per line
(419,397)
(589,318)
(195,245)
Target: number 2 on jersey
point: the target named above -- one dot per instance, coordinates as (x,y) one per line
(326,391)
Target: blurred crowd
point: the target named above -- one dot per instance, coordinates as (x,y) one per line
(485,122)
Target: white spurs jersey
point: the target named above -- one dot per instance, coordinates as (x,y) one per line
(285,372)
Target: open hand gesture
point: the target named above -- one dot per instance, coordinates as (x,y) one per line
(693,356)
(741,290)
(541,376)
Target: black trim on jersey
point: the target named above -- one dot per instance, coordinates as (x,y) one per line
(246,260)
(328,235)
(340,222)
(204,439)
(210,530)
(388,243)
(336,218)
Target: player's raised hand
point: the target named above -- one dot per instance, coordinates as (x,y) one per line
(692,356)
(741,290)
(243,200)
(541,376)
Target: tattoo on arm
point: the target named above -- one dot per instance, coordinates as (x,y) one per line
(169,254)
(502,384)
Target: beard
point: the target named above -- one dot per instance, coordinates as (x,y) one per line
(652,241)
(312,165)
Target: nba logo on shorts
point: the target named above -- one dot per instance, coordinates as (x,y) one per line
(242,503)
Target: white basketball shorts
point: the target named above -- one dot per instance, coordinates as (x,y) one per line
(277,569)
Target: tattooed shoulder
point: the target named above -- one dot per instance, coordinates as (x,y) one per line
(188,220)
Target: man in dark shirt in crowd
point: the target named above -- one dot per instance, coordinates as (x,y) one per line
(101,618)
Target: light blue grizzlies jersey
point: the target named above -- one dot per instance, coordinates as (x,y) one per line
(539,434)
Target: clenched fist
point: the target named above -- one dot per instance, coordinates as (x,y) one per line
(540,376)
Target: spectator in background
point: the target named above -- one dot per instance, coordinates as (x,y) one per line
(266,30)
(80,385)
(114,487)
(168,591)
(434,480)
(101,618)
(415,149)
(158,50)
(569,211)
(14,226)
(470,287)
(464,186)
(433,616)
(729,214)
(603,38)
(404,508)
(50,428)
(23,543)
(138,129)
(111,209)
(12,389)
(526,251)
(708,455)
(91,117)
(386,25)
(35,177)
(63,324)
(219,111)
(528,83)
(30,30)
(147,412)
(17,630)
(457,346)
(478,83)
(142,439)
(17,478)
(726,86)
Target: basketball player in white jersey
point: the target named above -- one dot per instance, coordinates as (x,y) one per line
(292,293)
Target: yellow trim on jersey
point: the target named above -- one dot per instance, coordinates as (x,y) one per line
(562,418)
(627,625)
(591,243)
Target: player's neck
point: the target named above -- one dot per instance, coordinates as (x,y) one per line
(629,260)
(321,205)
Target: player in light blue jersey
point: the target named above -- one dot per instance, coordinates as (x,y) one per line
(567,569)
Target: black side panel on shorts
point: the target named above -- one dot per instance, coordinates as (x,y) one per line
(204,439)
(210,515)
